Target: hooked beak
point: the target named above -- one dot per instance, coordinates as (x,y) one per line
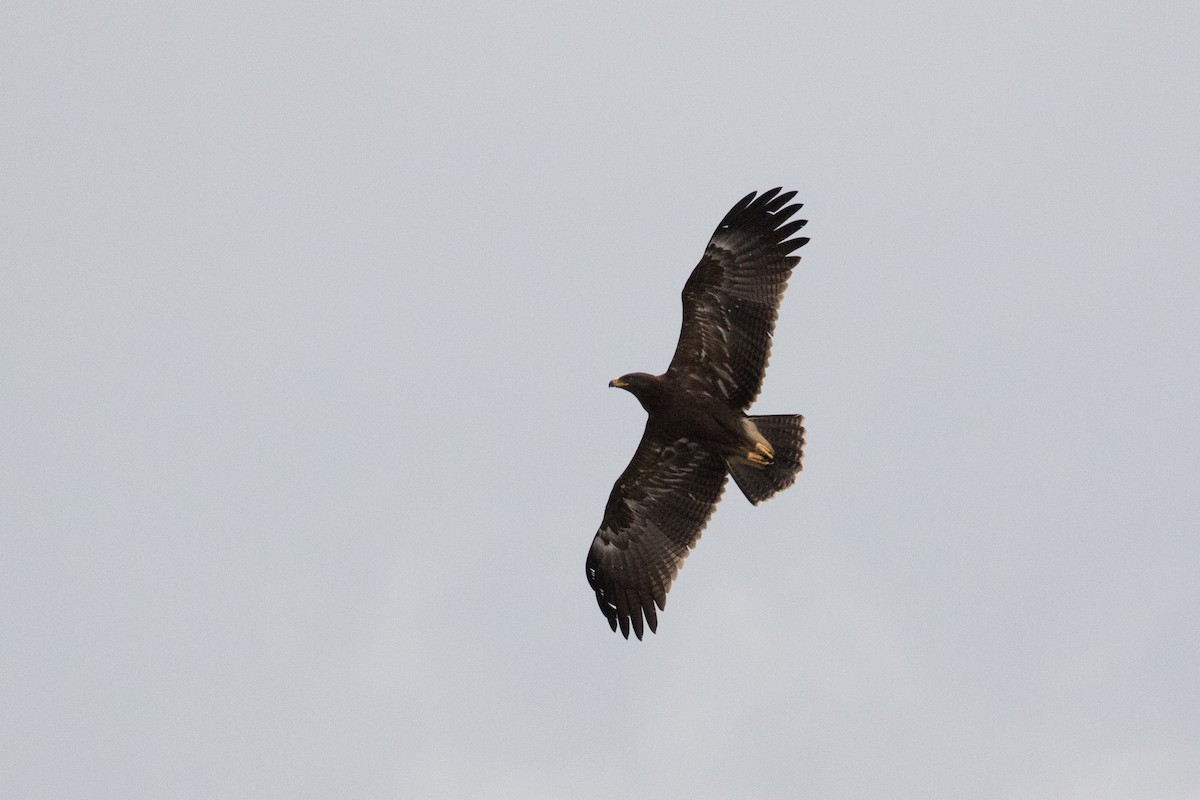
(617,383)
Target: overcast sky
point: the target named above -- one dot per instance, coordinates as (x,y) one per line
(307,314)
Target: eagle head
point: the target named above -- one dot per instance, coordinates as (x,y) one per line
(641,385)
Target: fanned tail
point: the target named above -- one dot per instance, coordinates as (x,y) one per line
(785,432)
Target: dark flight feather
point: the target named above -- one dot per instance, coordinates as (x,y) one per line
(654,516)
(731,300)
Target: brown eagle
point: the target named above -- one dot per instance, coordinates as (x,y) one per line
(697,431)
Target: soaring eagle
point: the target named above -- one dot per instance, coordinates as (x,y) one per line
(697,430)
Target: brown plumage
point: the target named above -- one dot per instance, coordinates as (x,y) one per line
(697,431)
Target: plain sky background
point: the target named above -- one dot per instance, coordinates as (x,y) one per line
(307,312)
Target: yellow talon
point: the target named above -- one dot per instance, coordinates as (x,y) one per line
(755,457)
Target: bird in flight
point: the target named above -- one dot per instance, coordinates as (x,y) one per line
(697,430)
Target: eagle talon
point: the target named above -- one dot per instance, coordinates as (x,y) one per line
(754,457)
(762,455)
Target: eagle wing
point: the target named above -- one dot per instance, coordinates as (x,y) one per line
(654,516)
(731,300)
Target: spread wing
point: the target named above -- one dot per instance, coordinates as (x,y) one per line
(731,300)
(654,516)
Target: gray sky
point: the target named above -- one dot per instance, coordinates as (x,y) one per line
(307,313)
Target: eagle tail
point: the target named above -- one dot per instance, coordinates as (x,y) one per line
(785,432)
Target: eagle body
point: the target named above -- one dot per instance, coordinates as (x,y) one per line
(680,412)
(697,430)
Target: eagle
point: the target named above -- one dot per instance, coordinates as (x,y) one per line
(697,430)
